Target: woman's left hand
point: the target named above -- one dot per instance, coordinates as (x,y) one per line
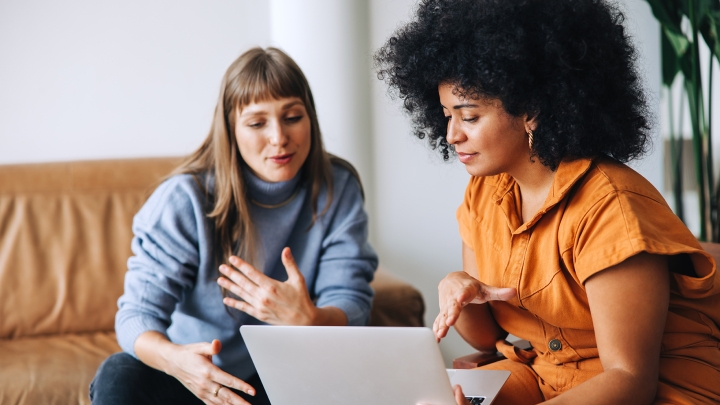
(269,300)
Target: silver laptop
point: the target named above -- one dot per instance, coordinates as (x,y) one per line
(319,365)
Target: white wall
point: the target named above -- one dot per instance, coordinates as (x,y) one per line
(329,41)
(646,33)
(84,79)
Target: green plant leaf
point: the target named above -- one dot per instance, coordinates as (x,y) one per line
(710,30)
(668,13)
(670,58)
(678,41)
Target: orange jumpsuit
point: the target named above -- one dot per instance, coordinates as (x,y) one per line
(598,213)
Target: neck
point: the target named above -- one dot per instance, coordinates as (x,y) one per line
(534,180)
(270,194)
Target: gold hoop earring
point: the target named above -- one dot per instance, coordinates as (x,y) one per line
(530,139)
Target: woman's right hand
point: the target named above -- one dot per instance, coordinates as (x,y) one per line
(459,289)
(192,365)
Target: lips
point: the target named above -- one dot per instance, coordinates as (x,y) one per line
(466,157)
(282,159)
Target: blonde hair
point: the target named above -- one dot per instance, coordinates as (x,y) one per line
(257,75)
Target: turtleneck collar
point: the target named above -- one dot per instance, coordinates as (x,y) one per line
(266,192)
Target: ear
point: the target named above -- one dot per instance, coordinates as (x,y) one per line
(530,122)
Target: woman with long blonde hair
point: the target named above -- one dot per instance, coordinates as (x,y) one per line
(259,225)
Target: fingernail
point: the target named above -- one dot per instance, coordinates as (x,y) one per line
(222,268)
(251,392)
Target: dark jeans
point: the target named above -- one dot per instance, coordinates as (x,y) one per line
(124,380)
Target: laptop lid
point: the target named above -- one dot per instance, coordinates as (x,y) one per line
(356,365)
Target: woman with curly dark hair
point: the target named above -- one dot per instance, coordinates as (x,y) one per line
(563,244)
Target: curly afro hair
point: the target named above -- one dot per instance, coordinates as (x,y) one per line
(569,63)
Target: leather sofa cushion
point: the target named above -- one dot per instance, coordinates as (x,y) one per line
(65,232)
(52,370)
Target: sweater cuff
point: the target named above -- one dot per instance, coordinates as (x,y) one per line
(129,329)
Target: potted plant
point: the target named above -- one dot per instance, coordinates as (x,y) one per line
(682,23)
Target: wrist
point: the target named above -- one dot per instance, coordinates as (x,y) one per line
(155,349)
(167,353)
(314,316)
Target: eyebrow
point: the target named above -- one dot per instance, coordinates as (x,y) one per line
(290,104)
(459,106)
(284,107)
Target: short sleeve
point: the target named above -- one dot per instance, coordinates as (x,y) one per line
(624,223)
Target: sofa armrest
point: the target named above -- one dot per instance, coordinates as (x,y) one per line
(479,359)
(396,303)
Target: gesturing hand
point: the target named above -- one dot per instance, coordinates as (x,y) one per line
(192,366)
(271,301)
(458,289)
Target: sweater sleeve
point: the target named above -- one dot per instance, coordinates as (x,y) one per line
(347,262)
(164,262)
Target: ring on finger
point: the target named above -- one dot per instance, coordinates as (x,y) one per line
(217,390)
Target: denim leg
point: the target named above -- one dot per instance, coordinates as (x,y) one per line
(125,380)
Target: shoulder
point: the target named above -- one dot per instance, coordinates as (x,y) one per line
(346,179)
(347,202)
(615,213)
(608,176)
(343,171)
(617,194)
(181,194)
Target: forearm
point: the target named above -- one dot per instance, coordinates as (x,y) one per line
(613,386)
(153,348)
(477,326)
(329,316)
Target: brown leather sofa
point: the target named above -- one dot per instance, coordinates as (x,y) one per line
(64,243)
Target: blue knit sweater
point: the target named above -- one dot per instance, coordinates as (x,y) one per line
(171,287)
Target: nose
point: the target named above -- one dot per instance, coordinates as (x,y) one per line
(454,133)
(277,136)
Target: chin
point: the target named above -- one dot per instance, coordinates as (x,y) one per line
(480,171)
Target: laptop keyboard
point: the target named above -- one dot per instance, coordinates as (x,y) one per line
(475,400)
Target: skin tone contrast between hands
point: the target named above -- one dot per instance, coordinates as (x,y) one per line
(489,141)
(273,138)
